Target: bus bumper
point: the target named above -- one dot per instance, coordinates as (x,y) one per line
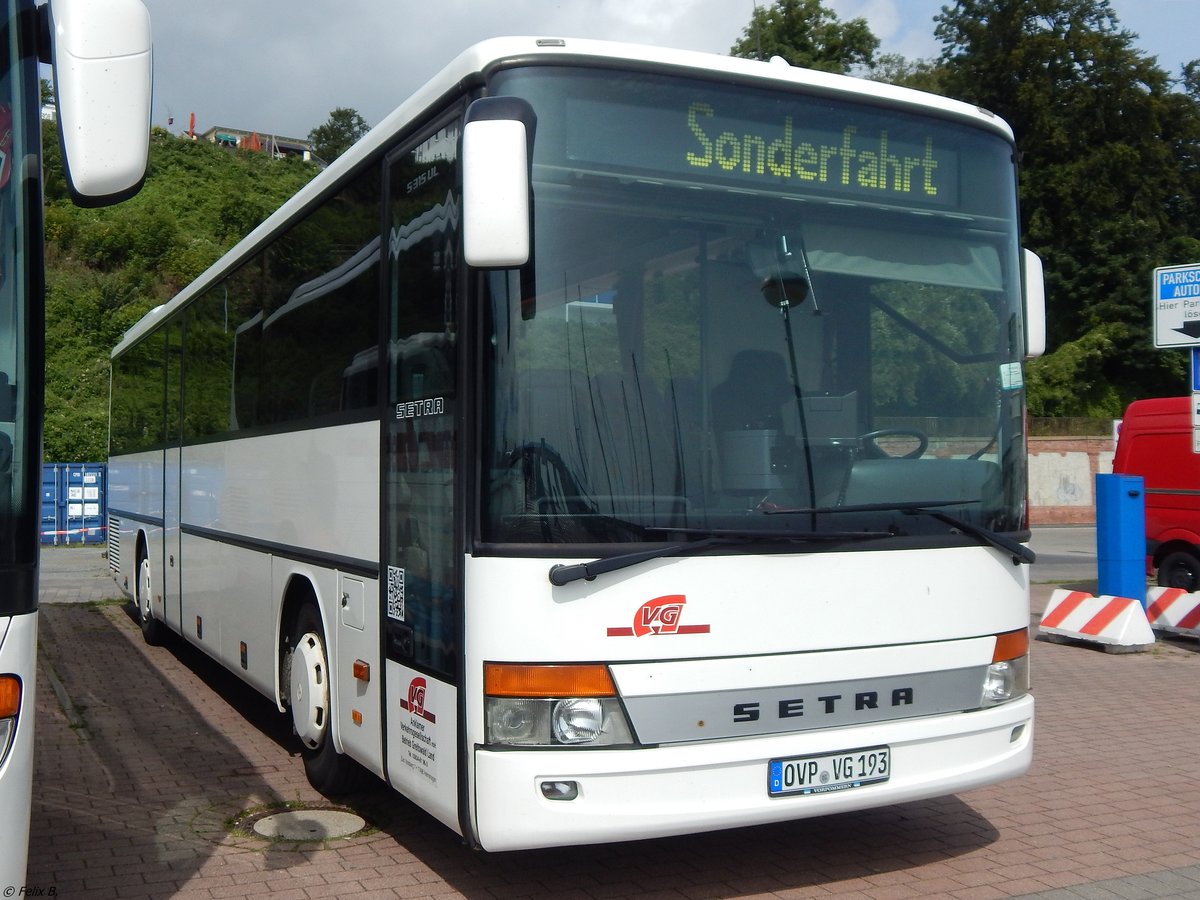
(670,790)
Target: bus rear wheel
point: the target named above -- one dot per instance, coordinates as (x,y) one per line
(310,699)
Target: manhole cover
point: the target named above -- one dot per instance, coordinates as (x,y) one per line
(308,825)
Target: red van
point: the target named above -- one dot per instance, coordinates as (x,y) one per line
(1156,443)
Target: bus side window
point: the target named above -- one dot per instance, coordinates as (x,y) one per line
(321,306)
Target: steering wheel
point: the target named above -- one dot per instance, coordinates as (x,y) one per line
(874,451)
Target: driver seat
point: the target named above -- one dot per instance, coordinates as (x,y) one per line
(752,396)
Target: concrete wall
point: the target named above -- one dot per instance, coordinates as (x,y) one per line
(1062,473)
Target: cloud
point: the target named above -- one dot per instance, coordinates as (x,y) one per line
(282,65)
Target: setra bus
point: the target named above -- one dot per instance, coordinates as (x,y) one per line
(616,442)
(100,51)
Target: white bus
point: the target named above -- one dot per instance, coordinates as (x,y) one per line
(101,56)
(616,442)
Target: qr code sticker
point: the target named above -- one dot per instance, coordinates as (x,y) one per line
(395,593)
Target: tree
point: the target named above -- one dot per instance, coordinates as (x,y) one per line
(338,134)
(919,74)
(807,34)
(1105,190)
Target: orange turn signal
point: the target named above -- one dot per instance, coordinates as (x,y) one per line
(1011,645)
(10,696)
(509,680)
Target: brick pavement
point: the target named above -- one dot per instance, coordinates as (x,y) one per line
(132,801)
(75,574)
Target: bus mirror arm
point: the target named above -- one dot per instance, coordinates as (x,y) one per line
(497,171)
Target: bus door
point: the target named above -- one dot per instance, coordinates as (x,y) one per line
(171,477)
(422,549)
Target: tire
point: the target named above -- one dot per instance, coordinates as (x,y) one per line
(310,701)
(154,632)
(1180,569)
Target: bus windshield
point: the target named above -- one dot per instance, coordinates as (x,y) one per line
(752,311)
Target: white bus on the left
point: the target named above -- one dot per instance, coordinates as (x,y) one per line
(100,53)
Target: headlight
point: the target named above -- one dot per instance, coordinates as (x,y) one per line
(514,720)
(577,721)
(553,706)
(1007,678)
(7,727)
(1006,681)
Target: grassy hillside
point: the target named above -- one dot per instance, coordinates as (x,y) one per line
(105,268)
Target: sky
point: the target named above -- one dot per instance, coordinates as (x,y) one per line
(280,66)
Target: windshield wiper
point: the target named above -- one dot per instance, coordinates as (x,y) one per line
(1019,552)
(560,574)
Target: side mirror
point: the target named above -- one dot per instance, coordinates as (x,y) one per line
(1035,306)
(496,159)
(101,54)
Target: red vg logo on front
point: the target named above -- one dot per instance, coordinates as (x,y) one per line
(662,615)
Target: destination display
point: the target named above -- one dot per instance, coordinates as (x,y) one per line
(811,149)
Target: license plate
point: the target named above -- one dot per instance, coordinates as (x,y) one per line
(832,772)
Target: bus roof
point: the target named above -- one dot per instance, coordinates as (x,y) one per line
(479,60)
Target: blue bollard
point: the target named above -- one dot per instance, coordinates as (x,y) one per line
(1121,536)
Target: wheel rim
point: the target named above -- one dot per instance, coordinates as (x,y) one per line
(310,690)
(144,590)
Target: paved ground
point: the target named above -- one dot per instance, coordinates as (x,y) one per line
(77,574)
(146,754)
(1065,553)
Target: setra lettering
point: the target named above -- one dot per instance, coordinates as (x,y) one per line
(826,704)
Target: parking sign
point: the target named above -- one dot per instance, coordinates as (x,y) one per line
(1177,306)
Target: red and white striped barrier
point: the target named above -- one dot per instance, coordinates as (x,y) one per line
(93,530)
(1174,610)
(1118,624)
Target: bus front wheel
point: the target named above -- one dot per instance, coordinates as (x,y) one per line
(310,695)
(153,631)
